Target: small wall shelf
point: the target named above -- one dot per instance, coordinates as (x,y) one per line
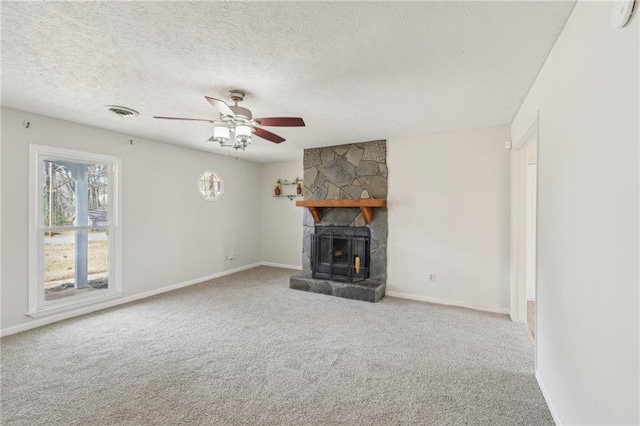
(289,196)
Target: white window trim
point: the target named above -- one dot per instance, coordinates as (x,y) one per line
(37,306)
(216,198)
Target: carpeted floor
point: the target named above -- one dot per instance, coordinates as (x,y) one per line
(246,350)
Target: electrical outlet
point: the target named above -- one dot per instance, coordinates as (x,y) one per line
(432,277)
(232,255)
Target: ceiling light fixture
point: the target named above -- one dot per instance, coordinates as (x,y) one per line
(230,134)
(236,124)
(234,129)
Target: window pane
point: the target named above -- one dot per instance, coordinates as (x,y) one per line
(98,188)
(75,262)
(98,262)
(211,187)
(59,258)
(58,194)
(74,193)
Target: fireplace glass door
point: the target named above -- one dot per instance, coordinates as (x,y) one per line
(341,253)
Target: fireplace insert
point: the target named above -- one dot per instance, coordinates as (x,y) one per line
(340,253)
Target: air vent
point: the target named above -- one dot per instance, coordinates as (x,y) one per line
(121,111)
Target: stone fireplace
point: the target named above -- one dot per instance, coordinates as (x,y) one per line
(345,221)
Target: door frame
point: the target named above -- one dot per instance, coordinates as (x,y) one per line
(518,311)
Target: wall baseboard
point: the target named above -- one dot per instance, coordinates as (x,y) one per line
(446,302)
(281,265)
(545,394)
(119,301)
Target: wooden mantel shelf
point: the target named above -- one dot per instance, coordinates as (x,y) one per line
(364,204)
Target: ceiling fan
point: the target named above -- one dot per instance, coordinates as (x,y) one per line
(236,124)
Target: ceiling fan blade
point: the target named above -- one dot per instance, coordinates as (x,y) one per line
(188,119)
(220,106)
(264,134)
(281,121)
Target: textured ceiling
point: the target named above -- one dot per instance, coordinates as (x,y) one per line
(355,71)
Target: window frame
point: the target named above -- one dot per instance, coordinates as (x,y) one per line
(219,178)
(37,305)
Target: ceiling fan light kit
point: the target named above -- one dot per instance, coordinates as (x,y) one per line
(236,124)
(228,136)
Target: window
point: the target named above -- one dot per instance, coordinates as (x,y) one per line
(211,186)
(74,229)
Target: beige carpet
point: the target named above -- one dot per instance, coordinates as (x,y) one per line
(247,350)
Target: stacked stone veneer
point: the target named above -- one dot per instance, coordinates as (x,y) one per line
(348,172)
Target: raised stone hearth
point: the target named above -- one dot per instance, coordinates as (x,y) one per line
(368,291)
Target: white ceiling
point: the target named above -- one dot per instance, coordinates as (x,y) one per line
(355,71)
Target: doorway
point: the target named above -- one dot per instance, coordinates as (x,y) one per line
(531,195)
(524,196)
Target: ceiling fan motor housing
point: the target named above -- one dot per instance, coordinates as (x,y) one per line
(241,112)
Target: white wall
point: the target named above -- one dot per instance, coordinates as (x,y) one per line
(587,327)
(281,219)
(170,234)
(449,215)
